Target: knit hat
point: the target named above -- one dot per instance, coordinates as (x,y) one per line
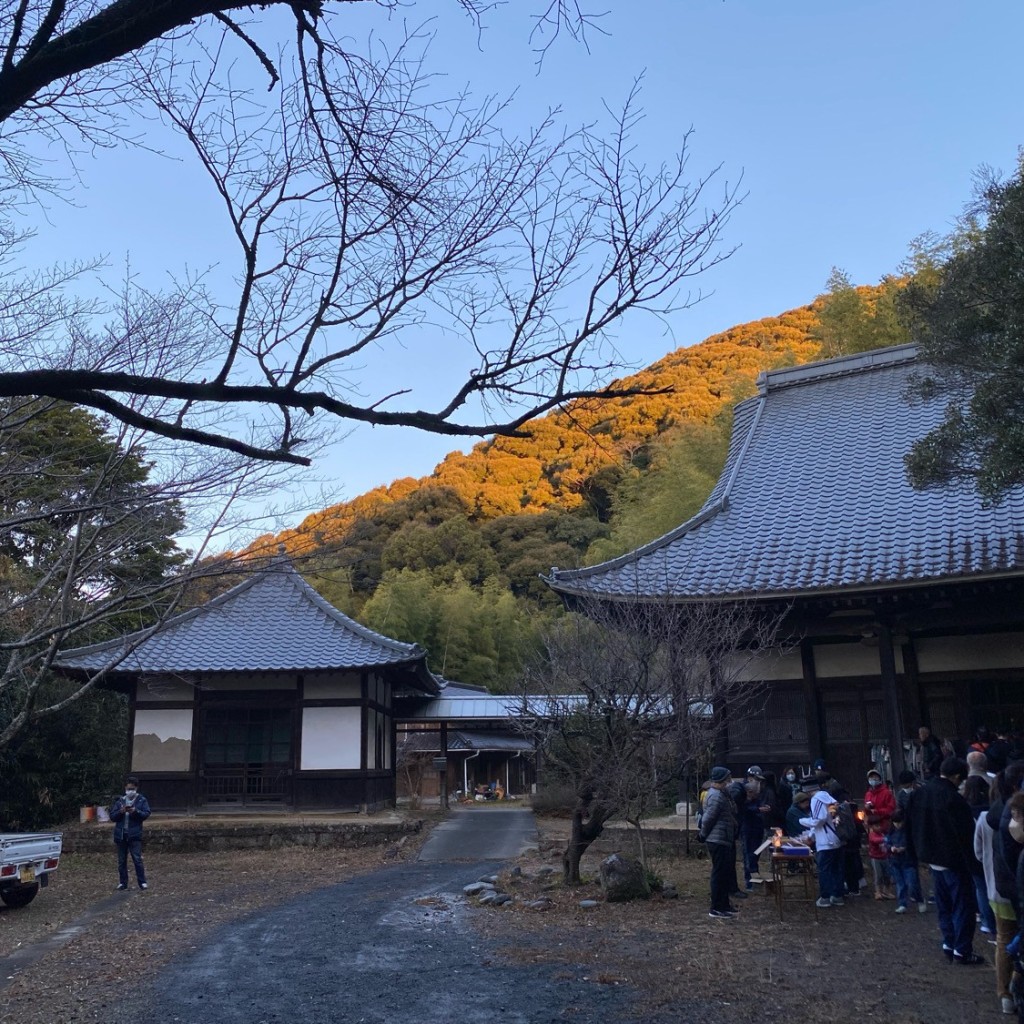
(719,774)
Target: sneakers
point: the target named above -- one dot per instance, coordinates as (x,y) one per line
(901,909)
(947,952)
(1006,1005)
(143,885)
(720,914)
(837,901)
(737,895)
(922,907)
(750,886)
(986,931)
(822,902)
(968,959)
(121,888)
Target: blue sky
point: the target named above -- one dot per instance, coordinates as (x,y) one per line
(856,126)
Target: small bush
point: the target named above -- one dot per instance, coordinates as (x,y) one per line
(554,798)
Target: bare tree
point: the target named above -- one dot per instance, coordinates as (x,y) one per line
(627,698)
(369,212)
(90,520)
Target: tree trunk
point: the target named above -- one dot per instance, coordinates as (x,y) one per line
(585,829)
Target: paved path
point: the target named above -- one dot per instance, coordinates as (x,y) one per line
(393,947)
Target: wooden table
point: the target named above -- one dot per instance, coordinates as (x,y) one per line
(794,880)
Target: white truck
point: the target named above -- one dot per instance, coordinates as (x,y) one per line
(26,860)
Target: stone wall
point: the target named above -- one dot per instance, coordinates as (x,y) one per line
(192,837)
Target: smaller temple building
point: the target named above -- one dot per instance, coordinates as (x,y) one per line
(265,696)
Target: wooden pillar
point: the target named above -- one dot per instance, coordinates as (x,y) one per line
(812,701)
(443,774)
(890,698)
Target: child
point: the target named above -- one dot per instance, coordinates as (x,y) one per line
(903,869)
(878,853)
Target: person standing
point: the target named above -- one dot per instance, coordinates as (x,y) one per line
(940,833)
(128,813)
(718,827)
(751,810)
(879,804)
(931,753)
(828,849)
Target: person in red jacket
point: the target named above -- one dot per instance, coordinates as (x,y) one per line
(879,804)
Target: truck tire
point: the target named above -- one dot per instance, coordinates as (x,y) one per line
(16,896)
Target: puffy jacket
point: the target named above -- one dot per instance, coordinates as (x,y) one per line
(128,820)
(718,825)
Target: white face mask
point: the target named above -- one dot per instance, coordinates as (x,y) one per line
(1017,830)
(790,777)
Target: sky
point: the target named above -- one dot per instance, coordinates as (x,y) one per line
(855,126)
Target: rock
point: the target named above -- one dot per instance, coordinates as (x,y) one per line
(516,872)
(541,904)
(487,899)
(544,871)
(475,888)
(669,892)
(623,880)
(589,904)
(501,898)
(492,879)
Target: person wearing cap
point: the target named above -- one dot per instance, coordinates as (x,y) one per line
(718,827)
(798,809)
(128,813)
(751,809)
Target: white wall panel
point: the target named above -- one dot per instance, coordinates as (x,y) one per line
(330,738)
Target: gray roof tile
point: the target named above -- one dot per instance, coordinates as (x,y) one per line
(274,621)
(814,497)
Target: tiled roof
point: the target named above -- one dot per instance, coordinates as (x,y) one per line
(814,498)
(274,621)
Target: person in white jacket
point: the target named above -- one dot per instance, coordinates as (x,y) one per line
(1006,921)
(828,849)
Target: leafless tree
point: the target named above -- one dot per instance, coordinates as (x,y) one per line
(368,210)
(90,519)
(625,699)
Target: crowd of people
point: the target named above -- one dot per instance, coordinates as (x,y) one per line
(954,818)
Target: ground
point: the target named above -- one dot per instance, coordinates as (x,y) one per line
(856,962)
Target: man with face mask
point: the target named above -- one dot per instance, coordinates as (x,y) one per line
(128,813)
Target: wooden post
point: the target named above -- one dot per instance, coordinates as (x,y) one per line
(890,699)
(443,773)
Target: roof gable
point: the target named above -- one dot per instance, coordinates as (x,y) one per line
(814,497)
(273,621)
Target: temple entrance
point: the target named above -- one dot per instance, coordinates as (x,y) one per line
(246,756)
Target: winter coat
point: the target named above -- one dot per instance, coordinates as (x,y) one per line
(940,828)
(896,843)
(718,824)
(877,848)
(1004,862)
(128,820)
(984,850)
(883,803)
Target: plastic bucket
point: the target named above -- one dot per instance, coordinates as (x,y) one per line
(87,814)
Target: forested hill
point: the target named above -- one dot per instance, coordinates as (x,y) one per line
(452,560)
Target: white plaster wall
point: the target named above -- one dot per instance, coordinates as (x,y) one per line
(325,688)
(163,740)
(330,738)
(257,681)
(164,688)
(766,665)
(856,659)
(964,653)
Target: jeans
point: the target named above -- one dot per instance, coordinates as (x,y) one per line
(134,847)
(908,885)
(723,873)
(750,840)
(988,918)
(956,906)
(830,873)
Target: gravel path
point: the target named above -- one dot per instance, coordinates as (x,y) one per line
(392,946)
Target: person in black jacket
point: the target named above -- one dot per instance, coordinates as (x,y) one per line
(940,833)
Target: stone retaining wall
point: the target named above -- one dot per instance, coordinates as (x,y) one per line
(193,837)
